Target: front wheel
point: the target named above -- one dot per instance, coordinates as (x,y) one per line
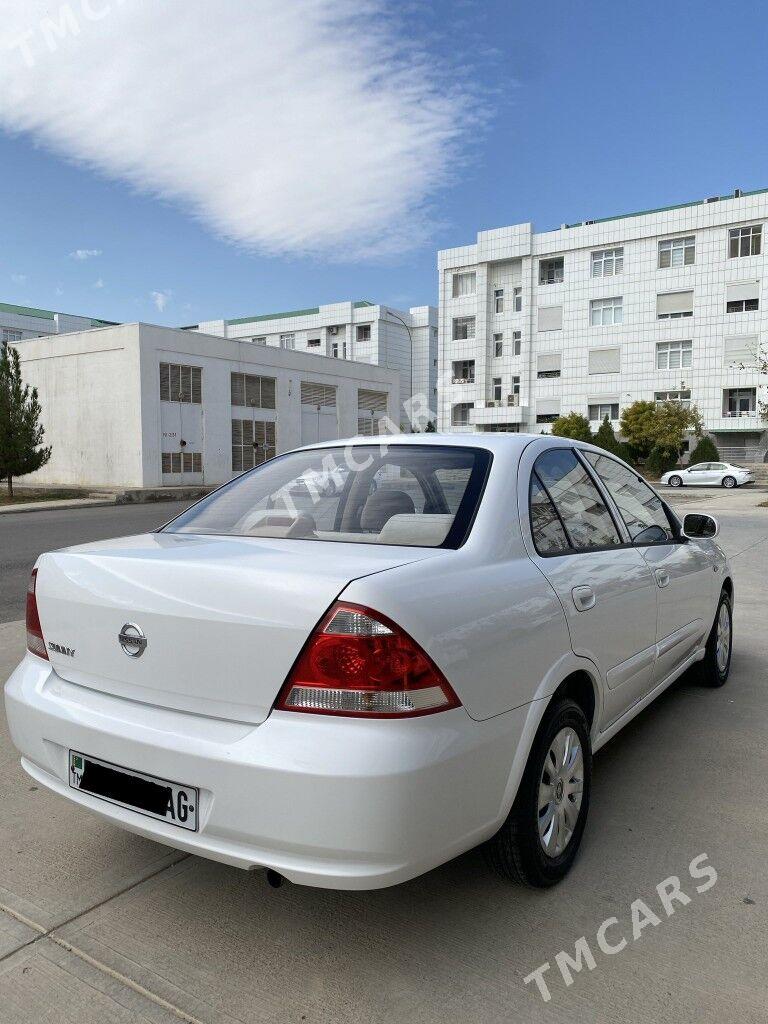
(729,481)
(675,481)
(538,842)
(716,665)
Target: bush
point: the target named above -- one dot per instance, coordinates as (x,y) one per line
(574,425)
(661,460)
(705,451)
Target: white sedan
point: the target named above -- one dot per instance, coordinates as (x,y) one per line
(350,685)
(709,474)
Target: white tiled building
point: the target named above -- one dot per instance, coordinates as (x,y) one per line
(665,304)
(17,323)
(402,340)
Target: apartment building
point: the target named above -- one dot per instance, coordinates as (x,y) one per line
(18,323)
(664,305)
(364,332)
(134,405)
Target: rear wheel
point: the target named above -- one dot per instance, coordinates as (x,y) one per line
(716,665)
(729,481)
(675,481)
(538,842)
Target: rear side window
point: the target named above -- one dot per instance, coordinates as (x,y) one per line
(640,508)
(585,518)
(414,495)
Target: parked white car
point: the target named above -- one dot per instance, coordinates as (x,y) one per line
(709,474)
(350,685)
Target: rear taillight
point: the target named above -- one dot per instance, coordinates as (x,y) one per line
(357,662)
(35,639)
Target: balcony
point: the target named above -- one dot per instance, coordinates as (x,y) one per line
(497,412)
(462,380)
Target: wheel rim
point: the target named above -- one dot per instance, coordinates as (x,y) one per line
(729,481)
(561,789)
(723,649)
(675,481)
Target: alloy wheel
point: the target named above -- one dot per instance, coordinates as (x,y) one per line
(561,787)
(723,646)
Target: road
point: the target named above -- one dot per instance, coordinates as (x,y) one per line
(102,927)
(25,535)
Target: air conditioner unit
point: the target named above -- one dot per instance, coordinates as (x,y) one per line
(588,222)
(333,330)
(491,405)
(513,399)
(737,193)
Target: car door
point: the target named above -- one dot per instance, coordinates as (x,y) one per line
(683,571)
(604,584)
(700,473)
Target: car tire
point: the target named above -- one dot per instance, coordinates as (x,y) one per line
(728,481)
(517,851)
(675,481)
(715,667)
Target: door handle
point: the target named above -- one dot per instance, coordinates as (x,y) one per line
(583,598)
(662,577)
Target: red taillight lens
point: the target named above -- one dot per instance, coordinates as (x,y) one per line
(35,639)
(357,662)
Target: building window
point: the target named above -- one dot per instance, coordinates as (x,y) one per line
(604,360)
(606,312)
(248,389)
(677,252)
(546,417)
(550,318)
(498,300)
(742,305)
(608,262)
(517,337)
(496,389)
(498,346)
(464,284)
(678,397)
(739,401)
(548,364)
(674,305)
(600,410)
(260,340)
(745,241)
(517,299)
(363,332)
(180,383)
(460,414)
(182,462)
(551,271)
(253,442)
(673,355)
(464,371)
(11,334)
(514,398)
(288,341)
(313,343)
(463,328)
(338,350)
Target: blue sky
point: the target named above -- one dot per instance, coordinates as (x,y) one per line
(565,111)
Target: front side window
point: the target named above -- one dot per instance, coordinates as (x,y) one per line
(464,284)
(673,355)
(677,252)
(745,241)
(641,509)
(608,262)
(551,271)
(422,495)
(583,513)
(605,312)
(498,300)
(463,328)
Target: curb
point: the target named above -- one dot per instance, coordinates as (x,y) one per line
(55,506)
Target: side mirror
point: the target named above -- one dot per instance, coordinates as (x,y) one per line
(697,526)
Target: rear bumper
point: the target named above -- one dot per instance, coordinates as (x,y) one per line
(332,802)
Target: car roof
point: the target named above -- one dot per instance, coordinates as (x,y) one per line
(508,443)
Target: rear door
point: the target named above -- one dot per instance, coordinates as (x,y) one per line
(682,570)
(604,584)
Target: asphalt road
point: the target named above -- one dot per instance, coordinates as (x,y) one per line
(98,926)
(25,535)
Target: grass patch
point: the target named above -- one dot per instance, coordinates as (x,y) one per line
(22,496)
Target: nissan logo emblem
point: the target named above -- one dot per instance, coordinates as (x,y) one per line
(132,640)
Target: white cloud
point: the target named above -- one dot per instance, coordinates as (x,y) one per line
(160,299)
(287,126)
(84,254)
(98,284)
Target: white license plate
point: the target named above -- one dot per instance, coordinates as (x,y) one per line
(147,794)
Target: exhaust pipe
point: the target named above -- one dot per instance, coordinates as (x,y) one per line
(274,878)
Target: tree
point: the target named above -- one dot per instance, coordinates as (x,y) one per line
(662,459)
(649,425)
(705,451)
(574,425)
(606,437)
(21,434)
(638,427)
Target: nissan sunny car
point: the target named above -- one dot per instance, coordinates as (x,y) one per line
(363,658)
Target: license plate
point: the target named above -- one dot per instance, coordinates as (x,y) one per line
(156,798)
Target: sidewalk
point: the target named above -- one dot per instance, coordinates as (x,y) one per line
(41,506)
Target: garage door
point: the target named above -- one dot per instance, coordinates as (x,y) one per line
(319,420)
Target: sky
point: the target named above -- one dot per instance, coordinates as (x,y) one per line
(187,161)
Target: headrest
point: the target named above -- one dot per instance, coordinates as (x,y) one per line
(381,506)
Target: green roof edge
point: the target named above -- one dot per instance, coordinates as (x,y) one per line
(666,209)
(311,311)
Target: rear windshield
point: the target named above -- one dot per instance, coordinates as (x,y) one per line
(420,495)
